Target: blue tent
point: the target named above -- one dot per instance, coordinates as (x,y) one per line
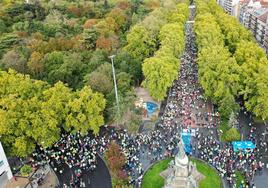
(243,145)
(186,138)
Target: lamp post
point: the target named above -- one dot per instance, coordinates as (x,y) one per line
(115,86)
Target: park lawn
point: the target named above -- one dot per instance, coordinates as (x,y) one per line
(152,179)
(212,179)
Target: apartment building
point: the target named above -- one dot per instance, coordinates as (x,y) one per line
(245,10)
(253,15)
(265,40)
(230,6)
(259,18)
(5,171)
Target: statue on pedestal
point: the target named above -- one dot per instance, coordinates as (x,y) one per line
(181,173)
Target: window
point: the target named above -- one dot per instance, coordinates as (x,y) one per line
(1,163)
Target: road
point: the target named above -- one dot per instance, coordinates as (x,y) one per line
(99,178)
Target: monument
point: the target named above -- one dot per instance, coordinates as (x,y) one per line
(181,173)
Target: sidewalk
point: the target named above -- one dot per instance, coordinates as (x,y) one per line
(50,179)
(18,183)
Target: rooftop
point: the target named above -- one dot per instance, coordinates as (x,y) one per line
(260,11)
(254,3)
(263,17)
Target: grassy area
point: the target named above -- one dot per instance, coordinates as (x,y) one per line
(239,178)
(152,179)
(212,179)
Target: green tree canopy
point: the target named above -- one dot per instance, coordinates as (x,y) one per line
(141,44)
(34,113)
(219,76)
(85,111)
(159,74)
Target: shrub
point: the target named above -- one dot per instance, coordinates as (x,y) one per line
(232,135)
(26,170)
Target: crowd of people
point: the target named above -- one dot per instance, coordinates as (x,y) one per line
(227,161)
(186,108)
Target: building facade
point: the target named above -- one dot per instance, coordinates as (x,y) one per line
(5,171)
(253,15)
(230,6)
(265,40)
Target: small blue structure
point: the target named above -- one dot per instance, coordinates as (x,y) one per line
(151,108)
(186,138)
(243,145)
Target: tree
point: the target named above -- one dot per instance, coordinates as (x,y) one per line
(161,70)
(34,113)
(100,82)
(65,68)
(251,64)
(219,76)
(6,41)
(232,135)
(21,26)
(227,105)
(85,111)
(15,60)
(22,123)
(126,108)
(127,64)
(89,38)
(25,170)
(55,100)
(74,11)
(105,5)
(124,82)
(244,76)
(104,43)
(183,9)
(257,103)
(208,32)
(101,79)
(152,5)
(35,64)
(120,18)
(140,43)
(3,26)
(53,23)
(169,4)
(233,31)
(97,58)
(115,158)
(159,74)
(115,161)
(176,17)
(172,37)
(248,51)
(90,23)
(155,20)
(106,26)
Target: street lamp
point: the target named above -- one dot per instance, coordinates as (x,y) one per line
(115,86)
